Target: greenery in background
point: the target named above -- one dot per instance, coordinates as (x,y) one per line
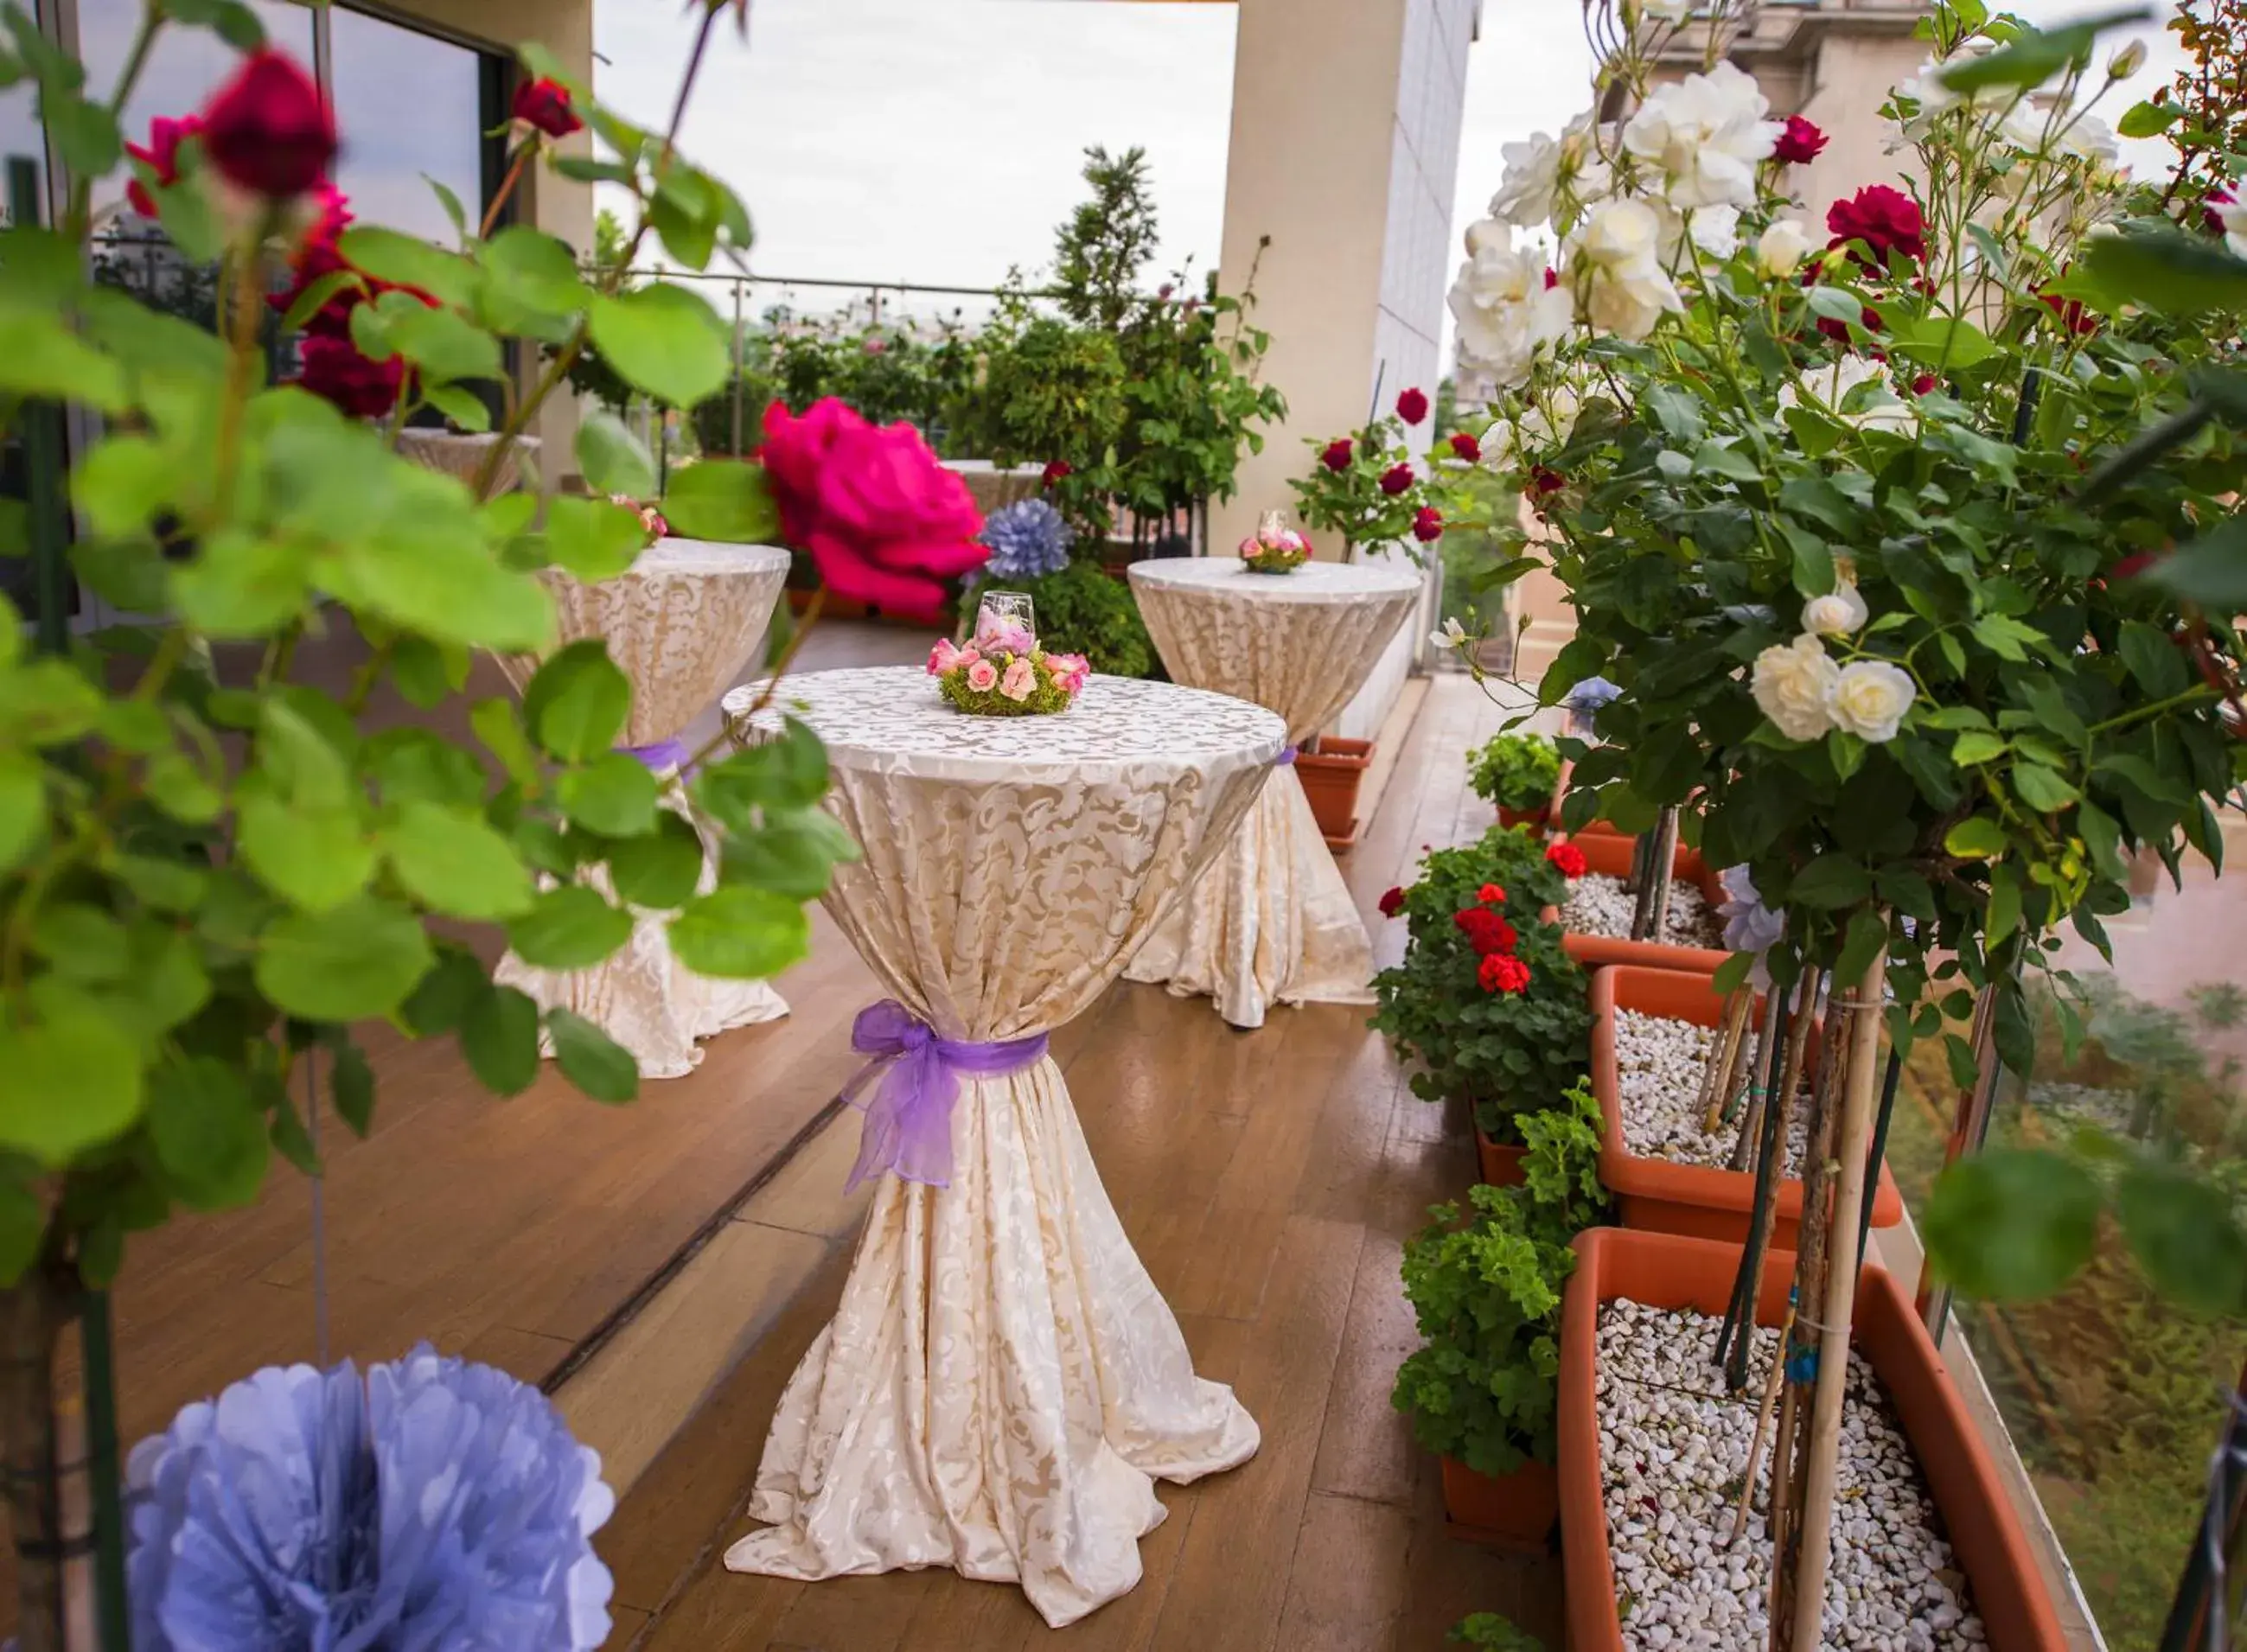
(1081,611)
(1485,1289)
(1046,391)
(1509,1053)
(1516,771)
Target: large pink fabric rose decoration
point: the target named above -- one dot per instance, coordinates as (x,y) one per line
(883,521)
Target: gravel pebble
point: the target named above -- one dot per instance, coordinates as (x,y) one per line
(1600,904)
(1673,1446)
(1659,1062)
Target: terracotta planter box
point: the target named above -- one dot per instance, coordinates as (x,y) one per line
(1693,1199)
(1501,1166)
(1516,1512)
(1533,818)
(1665,1271)
(1610,852)
(1331,776)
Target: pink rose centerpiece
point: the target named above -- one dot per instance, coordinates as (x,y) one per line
(1006,674)
(1275,548)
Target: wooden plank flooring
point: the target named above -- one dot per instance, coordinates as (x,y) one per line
(1268,1180)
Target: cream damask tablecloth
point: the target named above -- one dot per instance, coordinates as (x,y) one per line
(681,623)
(1271,922)
(1002,1383)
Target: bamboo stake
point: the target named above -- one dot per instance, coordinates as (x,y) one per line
(1771,1171)
(1771,1041)
(1660,849)
(1737,1075)
(1716,1074)
(1772,1384)
(1840,1304)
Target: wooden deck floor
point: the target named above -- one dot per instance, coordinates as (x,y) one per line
(1268,1180)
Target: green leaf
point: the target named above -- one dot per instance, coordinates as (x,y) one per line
(592,539)
(2148,120)
(23,807)
(2008,638)
(578,702)
(2035,57)
(1713,458)
(209,1133)
(1814,564)
(1976,837)
(613,460)
(23,1229)
(498,1036)
(1830,882)
(461,408)
(2169,271)
(533,269)
(722,499)
(443,344)
(592,1061)
(2041,788)
(788,773)
(173,783)
(499,727)
(1732,973)
(45,702)
(312,856)
(440,1003)
(74,1082)
(83,133)
(569,928)
(664,340)
(242,585)
(2011,1223)
(2004,914)
(2211,570)
(794,853)
(2154,659)
(2186,1235)
(1955,344)
(351,1087)
(450,861)
(358,959)
(1978,747)
(660,870)
(615,795)
(1867,939)
(741,934)
(407,261)
(123,482)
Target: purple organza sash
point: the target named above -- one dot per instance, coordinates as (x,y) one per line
(665,753)
(908,1126)
(1286,754)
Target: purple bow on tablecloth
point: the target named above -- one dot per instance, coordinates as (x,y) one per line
(1287,755)
(908,1126)
(664,754)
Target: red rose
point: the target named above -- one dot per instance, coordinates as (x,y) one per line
(1921,384)
(1338,455)
(1054,470)
(1413,406)
(1885,220)
(1799,143)
(2131,567)
(2073,316)
(267,131)
(1392,902)
(1396,480)
(2211,209)
(1464,445)
(1552,277)
(336,372)
(1428,526)
(1491,894)
(1543,480)
(545,105)
(160,154)
(1868,317)
(1501,974)
(1568,858)
(883,521)
(1485,930)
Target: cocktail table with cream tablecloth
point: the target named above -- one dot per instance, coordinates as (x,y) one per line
(681,623)
(1271,921)
(1002,1383)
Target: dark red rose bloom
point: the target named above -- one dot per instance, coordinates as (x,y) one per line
(2211,207)
(1885,220)
(1921,384)
(1428,526)
(336,372)
(1544,480)
(1338,455)
(1396,480)
(1054,471)
(545,105)
(1501,974)
(2131,567)
(1413,406)
(2073,316)
(1799,144)
(1464,445)
(1491,894)
(1392,902)
(1552,277)
(1839,330)
(160,154)
(1485,930)
(267,131)
(1568,858)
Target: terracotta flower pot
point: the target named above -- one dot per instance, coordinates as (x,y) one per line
(1533,818)
(1654,1193)
(1501,1166)
(1513,1512)
(1665,1271)
(1610,852)
(1331,776)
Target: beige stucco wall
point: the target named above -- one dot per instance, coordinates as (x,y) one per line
(1853,79)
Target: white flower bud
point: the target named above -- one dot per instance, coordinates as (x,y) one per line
(2128,61)
(1781,248)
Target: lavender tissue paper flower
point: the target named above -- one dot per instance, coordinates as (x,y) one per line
(1750,926)
(1584,702)
(1027,538)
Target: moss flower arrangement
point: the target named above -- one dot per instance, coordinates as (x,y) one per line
(1275,548)
(1006,680)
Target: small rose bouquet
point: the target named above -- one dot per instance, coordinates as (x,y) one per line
(1275,548)
(1006,674)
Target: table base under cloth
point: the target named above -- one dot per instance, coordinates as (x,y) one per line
(1270,922)
(1002,1385)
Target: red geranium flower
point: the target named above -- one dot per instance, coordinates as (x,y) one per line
(1885,219)
(1499,973)
(160,154)
(1485,930)
(1491,894)
(545,105)
(1054,470)
(1338,455)
(336,372)
(1392,902)
(883,521)
(1413,406)
(1568,858)
(1464,445)
(1428,526)
(1395,479)
(1799,144)
(269,131)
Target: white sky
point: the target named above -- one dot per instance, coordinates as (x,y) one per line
(939,140)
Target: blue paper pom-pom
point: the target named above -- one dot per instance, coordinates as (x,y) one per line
(1027,538)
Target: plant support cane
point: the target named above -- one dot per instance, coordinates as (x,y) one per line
(1770,1120)
(1824,1458)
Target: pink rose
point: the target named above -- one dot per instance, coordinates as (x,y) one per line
(1070,670)
(942,657)
(883,521)
(981,675)
(1021,677)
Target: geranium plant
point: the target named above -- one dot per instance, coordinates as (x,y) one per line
(1516,772)
(1368,488)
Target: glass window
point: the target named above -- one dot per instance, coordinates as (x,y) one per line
(409,108)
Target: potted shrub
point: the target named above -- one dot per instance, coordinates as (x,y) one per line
(1486,1000)
(1520,773)
(1485,1286)
(1600,897)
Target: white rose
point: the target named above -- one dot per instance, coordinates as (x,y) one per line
(2232,215)
(1533,172)
(1868,698)
(1622,234)
(1781,248)
(1841,612)
(1829,387)
(2128,61)
(1620,282)
(1506,311)
(1669,11)
(1705,133)
(1793,683)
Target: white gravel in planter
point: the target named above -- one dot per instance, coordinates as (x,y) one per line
(1673,1448)
(1600,905)
(1659,1062)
